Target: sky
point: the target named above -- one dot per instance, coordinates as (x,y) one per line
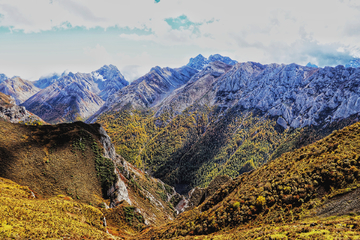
(41,37)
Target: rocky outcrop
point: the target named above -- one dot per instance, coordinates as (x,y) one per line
(18,88)
(118,192)
(11,112)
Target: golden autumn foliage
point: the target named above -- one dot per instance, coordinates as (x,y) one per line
(24,217)
(289,197)
(194,146)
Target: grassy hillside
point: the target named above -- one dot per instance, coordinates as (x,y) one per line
(24,217)
(55,159)
(289,197)
(62,168)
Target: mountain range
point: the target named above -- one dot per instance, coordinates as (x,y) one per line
(232,105)
(213,149)
(68,97)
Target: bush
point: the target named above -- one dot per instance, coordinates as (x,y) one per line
(236,205)
(260,201)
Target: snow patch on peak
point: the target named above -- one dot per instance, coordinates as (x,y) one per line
(97,76)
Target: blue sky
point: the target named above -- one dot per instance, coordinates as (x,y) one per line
(39,37)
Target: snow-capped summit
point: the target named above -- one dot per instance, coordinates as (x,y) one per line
(110,72)
(109,80)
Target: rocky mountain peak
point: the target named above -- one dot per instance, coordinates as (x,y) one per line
(199,62)
(110,72)
(3,77)
(218,57)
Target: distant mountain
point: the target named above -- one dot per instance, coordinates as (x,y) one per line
(46,81)
(299,95)
(354,63)
(311,65)
(109,80)
(149,90)
(73,97)
(3,77)
(200,61)
(18,88)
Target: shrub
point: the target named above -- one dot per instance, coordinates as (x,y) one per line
(260,201)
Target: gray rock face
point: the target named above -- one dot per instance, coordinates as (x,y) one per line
(18,88)
(11,112)
(295,95)
(301,96)
(194,89)
(118,192)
